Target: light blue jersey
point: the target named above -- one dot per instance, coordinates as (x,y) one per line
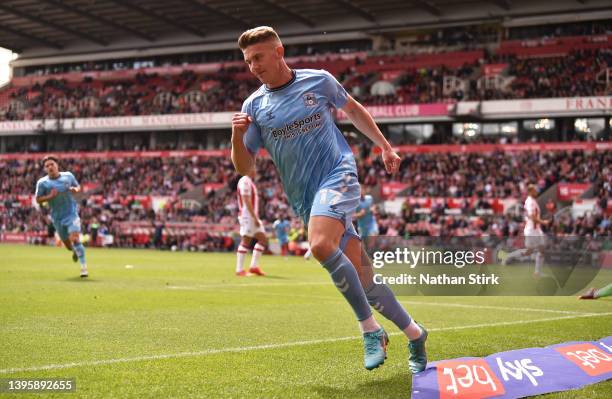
(64,209)
(367,223)
(294,123)
(281,227)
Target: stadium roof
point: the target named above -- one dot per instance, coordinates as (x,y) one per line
(71,26)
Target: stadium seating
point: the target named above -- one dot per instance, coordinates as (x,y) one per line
(129,197)
(545,67)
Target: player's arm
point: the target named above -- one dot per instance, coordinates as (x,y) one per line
(74,184)
(43,194)
(249,206)
(242,158)
(359,214)
(536,220)
(533,215)
(364,122)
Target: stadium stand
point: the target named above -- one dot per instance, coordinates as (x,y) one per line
(467,184)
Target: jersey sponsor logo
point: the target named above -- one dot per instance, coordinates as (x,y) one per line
(310,100)
(297,127)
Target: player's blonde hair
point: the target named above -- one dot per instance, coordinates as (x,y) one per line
(257,35)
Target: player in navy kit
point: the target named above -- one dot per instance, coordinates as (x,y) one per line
(57,189)
(290,116)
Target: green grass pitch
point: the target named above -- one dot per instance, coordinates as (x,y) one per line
(182,325)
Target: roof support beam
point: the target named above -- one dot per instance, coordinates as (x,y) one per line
(53,25)
(355,9)
(427,6)
(31,37)
(155,15)
(99,18)
(503,4)
(211,10)
(287,11)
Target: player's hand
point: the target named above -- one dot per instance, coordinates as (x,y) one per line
(258,221)
(240,123)
(391,161)
(74,189)
(53,193)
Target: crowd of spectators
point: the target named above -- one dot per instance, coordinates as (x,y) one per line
(574,74)
(119,192)
(490,175)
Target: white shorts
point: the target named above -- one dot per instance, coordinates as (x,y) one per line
(249,228)
(534,239)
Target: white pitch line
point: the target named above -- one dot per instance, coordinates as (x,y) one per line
(333,298)
(460,305)
(271,346)
(222,285)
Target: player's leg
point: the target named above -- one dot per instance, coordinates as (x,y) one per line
(604,292)
(243,249)
(324,234)
(64,236)
(539,261)
(381,298)
(258,250)
(308,253)
(284,248)
(593,293)
(74,229)
(539,244)
(519,253)
(330,216)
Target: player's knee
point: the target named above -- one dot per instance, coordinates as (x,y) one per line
(262,240)
(321,248)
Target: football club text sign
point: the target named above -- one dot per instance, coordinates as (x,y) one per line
(517,373)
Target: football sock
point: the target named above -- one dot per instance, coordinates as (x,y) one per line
(381,298)
(413,331)
(257,251)
(369,325)
(538,263)
(604,292)
(80,251)
(344,276)
(240,255)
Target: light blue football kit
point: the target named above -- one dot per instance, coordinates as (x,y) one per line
(64,209)
(281,228)
(367,223)
(294,123)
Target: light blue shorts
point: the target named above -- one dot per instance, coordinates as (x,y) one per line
(367,231)
(64,227)
(338,198)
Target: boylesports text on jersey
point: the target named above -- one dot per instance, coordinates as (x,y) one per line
(297,127)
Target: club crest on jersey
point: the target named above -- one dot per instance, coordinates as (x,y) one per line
(309,99)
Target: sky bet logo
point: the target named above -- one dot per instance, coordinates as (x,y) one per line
(297,127)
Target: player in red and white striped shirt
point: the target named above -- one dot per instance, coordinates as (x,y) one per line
(251,228)
(535,240)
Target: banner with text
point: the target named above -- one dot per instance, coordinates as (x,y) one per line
(518,373)
(570,191)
